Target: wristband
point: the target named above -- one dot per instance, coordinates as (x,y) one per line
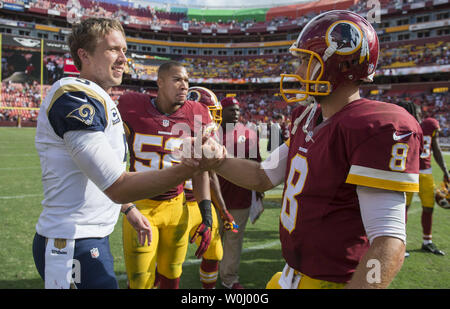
(205,210)
(128,209)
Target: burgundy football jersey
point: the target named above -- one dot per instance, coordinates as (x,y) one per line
(429,127)
(188,188)
(153,136)
(366,143)
(242,142)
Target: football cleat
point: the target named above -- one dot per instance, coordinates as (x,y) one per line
(431,247)
(442,196)
(208,98)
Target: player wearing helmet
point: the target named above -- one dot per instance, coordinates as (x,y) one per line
(209,267)
(430,128)
(345,167)
(208,98)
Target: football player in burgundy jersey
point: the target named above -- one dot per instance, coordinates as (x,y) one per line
(430,128)
(209,267)
(155,127)
(345,167)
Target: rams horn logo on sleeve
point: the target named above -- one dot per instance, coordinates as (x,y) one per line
(85,113)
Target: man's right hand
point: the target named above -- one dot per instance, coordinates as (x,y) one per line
(208,157)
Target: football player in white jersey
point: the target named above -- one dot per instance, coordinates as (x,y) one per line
(82,148)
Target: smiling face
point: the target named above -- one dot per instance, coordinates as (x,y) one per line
(173,86)
(106,64)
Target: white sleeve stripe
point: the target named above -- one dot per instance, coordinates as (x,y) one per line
(380,174)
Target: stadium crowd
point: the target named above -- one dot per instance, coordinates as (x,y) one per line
(256,107)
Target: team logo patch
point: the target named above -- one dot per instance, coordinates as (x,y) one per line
(165,123)
(95,253)
(347,36)
(115,116)
(85,113)
(60,243)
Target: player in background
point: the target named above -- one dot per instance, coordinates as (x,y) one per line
(209,267)
(241,142)
(155,128)
(345,167)
(81,145)
(430,128)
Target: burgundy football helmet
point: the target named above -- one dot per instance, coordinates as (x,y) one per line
(337,47)
(208,98)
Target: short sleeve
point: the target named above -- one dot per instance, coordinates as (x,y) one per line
(388,160)
(76,111)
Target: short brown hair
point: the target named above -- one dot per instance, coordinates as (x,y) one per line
(87,33)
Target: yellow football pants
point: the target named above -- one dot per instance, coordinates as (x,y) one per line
(426,191)
(169,222)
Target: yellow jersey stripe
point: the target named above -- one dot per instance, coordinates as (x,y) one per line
(371,177)
(382,183)
(381,174)
(288,142)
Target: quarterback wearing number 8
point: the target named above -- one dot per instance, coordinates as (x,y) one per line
(345,167)
(349,160)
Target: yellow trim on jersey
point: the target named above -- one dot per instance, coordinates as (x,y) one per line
(77,87)
(395,181)
(288,142)
(382,183)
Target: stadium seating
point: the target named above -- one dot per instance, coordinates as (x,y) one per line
(258,105)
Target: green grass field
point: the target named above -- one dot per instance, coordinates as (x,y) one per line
(21,195)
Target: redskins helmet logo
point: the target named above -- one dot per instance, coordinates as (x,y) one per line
(346,36)
(194,95)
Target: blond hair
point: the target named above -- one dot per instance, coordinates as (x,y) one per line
(88,33)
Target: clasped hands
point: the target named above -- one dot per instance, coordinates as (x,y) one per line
(202,152)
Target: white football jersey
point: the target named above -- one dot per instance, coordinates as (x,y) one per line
(74,206)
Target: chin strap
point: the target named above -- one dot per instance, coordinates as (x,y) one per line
(310,110)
